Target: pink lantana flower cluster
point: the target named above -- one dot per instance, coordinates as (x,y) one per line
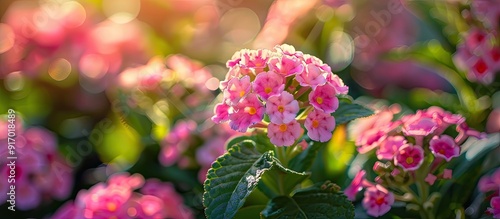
(180,81)
(412,149)
(119,199)
(187,136)
(282,90)
(479,52)
(35,170)
(491,184)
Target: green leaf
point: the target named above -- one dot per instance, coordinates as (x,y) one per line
(350,111)
(303,161)
(280,180)
(233,177)
(250,212)
(310,203)
(262,142)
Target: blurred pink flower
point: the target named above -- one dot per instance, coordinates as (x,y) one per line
(409,157)
(444,146)
(491,182)
(42,169)
(175,143)
(377,201)
(370,139)
(477,56)
(487,12)
(117,199)
(173,204)
(389,148)
(493,121)
(355,186)
(495,207)
(418,125)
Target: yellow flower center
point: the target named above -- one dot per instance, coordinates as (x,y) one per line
(111,206)
(319,100)
(379,201)
(281,109)
(268,90)
(242,93)
(283,128)
(251,110)
(315,124)
(409,160)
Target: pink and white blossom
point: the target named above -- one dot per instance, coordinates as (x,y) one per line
(282,108)
(312,76)
(237,88)
(444,146)
(284,134)
(390,146)
(246,113)
(409,157)
(324,98)
(267,84)
(319,126)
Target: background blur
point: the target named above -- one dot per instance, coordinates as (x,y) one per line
(72,69)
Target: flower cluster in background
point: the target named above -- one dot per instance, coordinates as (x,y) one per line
(414,149)
(39,167)
(280,84)
(190,145)
(177,79)
(131,86)
(479,52)
(490,184)
(59,38)
(119,199)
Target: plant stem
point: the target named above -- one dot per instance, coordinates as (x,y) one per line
(282,155)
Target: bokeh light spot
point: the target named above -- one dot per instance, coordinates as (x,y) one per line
(73,13)
(241,25)
(7,38)
(132,212)
(14,81)
(212,83)
(120,11)
(324,13)
(340,51)
(93,66)
(59,69)
(345,12)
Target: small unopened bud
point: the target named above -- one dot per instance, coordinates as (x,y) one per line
(447,174)
(430,179)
